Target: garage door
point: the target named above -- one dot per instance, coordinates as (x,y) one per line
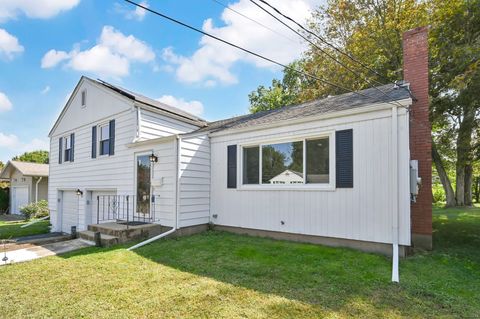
(105,197)
(19,198)
(69,211)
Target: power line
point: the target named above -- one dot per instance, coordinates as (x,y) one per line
(319,48)
(351,57)
(253,20)
(249,51)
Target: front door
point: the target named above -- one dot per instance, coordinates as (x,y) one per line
(144,186)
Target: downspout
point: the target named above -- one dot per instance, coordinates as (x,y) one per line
(175,227)
(36,188)
(394,161)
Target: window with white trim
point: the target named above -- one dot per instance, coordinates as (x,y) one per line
(67,145)
(299,162)
(84,98)
(104,139)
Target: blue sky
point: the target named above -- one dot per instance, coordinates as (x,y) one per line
(45,46)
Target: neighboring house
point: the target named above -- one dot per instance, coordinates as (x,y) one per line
(290,177)
(28,183)
(115,151)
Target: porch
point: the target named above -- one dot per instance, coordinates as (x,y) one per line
(123,218)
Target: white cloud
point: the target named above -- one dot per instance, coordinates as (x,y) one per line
(128,46)
(11,145)
(110,57)
(9,45)
(53,57)
(45,90)
(193,107)
(5,104)
(8,141)
(35,145)
(213,60)
(43,9)
(136,13)
(101,60)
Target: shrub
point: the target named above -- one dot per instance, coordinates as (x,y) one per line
(4,199)
(35,210)
(438,193)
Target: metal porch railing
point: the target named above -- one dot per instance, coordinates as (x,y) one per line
(126,208)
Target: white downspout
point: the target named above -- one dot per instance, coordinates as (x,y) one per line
(394,174)
(36,188)
(175,227)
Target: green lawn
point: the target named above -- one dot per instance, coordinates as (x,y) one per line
(222,275)
(12,229)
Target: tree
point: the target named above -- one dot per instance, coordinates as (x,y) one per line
(40,157)
(371,31)
(280,93)
(455,63)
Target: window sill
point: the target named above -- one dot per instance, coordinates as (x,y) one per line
(325,188)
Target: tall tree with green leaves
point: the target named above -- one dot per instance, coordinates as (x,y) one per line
(40,157)
(371,32)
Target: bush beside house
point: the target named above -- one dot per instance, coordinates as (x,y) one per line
(35,210)
(4,199)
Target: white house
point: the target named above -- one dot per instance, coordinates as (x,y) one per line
(290,177)
(350,155)
(28,183)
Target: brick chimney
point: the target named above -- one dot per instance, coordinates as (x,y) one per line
(415,72)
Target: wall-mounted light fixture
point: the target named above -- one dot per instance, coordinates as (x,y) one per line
(79,192)
(153,158)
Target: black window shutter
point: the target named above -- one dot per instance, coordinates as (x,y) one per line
(232,166)
(72,140)
(94,141)
(60,150)
(112,137)
(344,158)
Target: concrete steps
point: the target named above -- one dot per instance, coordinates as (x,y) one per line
(106,240)
(126,233)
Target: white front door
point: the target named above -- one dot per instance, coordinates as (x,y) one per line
(19,198)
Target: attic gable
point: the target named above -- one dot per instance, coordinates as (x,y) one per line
(96,104)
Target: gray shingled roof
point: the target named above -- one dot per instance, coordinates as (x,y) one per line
(151,102)
(27,169)
(331,104)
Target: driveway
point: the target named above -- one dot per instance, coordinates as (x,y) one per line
(24,252)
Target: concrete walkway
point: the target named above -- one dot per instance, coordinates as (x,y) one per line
(24,252)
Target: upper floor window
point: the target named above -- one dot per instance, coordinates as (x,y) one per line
(84,98)
(104,139)
(68,148)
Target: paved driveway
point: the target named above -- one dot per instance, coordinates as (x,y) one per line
(24,252)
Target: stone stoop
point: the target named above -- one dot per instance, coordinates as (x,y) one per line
(106,240)
(117,233)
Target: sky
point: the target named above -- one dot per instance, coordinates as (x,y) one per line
(47,45)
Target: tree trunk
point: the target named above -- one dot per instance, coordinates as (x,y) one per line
(468,184)
(464,150)
(447,185)
(476,188)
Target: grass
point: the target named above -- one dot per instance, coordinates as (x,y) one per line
(12,229)
(222,275)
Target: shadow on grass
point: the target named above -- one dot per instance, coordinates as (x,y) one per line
(335,279)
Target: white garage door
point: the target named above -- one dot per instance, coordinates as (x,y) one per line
(19,198)
(105,197)
(69,211)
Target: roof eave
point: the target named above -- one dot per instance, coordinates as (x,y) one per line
(357,110)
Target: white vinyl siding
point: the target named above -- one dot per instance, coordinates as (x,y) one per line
(154,125)
(194,171)
(360,213)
